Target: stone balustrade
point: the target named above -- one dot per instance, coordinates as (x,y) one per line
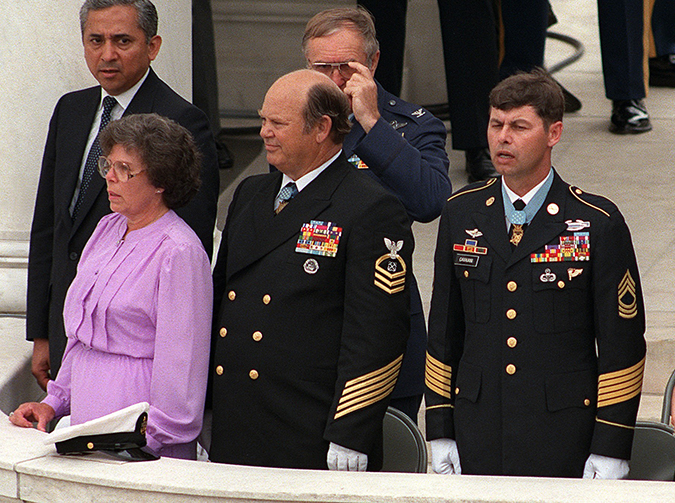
(32,471)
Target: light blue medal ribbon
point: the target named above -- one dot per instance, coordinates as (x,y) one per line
(526,215)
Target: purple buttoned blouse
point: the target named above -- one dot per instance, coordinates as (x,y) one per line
(138,321)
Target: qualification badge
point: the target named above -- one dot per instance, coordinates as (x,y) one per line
(390,268)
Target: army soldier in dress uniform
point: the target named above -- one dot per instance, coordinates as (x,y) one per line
(536,349)
(313,284)
(399,144)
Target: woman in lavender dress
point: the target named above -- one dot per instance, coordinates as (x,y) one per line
(138,314)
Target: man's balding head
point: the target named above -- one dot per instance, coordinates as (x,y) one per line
(305,118)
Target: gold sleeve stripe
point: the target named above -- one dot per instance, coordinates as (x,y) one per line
(440,368)
(434,379)
(370,399)
(367,389)
(374,373)
(573,191)
(487,184)
(619,374)
(367,386)
(614,385)
(621,385)
(609,423)
(436,388)
(620,396)
(441,406)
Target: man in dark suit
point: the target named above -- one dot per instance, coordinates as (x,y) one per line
(398,144)
(120,41)
(536,349)
(312,296)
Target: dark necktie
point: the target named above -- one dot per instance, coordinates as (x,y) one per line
(517,229)
(289,191)
(94,153)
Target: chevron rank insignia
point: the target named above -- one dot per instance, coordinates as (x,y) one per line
(627,297)
(357,162)
(390,268)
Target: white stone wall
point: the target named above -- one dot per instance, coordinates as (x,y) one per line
(41,58)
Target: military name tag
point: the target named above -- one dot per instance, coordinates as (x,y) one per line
(466,260)
(319,238)
(574,248)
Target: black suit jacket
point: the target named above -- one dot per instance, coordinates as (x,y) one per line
(536,353)
(307,347)
(56,241)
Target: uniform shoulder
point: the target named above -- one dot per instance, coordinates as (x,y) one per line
(596,202)
(395,106)
(473,188)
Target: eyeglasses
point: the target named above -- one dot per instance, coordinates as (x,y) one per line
(122,169)
(327,68)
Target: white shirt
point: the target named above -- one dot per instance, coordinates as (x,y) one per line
(123,101)
(305,180)
(526,198)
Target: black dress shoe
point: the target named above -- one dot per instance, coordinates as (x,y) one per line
(479,165)
(629,117)
(572,103)
(662,71)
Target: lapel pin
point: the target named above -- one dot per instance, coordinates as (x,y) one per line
(552,209)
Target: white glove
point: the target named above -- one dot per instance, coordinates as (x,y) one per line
(445,457)
(602,467)
(346,460)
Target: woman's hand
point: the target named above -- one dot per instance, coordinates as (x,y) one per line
(32,412)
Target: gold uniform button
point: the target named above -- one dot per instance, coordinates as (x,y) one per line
(257,336)
(219,370)
(466,274)
(456,391)
(511,314)
(90,445)
(510,369)
(231,295)
(253,374)
(223,332)
(561,284)
(266,299)
(512,286)
(511,342)
(587,402)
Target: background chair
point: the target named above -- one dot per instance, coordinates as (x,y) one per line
(667,399)
(653,456)
(404,446)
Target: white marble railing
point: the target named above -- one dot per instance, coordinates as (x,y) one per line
(31,471)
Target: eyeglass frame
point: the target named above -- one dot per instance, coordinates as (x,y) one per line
(333,66)
(104,166)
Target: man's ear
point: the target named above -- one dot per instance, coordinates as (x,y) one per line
(554,133)
(323,128)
